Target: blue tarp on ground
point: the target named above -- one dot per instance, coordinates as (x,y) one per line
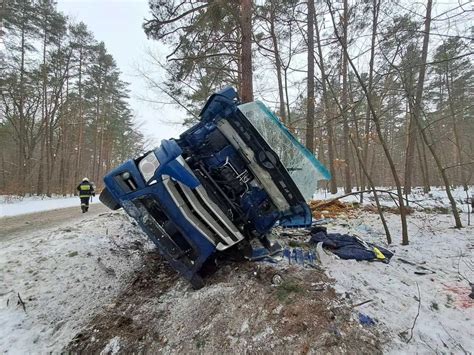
(347,246)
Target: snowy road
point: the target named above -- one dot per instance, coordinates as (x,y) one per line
(11,227)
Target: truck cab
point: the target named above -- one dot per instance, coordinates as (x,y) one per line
(227,180)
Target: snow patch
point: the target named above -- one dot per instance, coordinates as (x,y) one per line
(438,261)
(112,348)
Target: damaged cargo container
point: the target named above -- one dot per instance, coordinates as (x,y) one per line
(227,180)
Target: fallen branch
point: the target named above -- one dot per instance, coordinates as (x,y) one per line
(417,314)
(391,193)
(459,270)
(456,343)
(361,303)
(108,270)
(20,302)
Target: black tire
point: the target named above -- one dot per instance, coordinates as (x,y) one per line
(196,282)
(107,199)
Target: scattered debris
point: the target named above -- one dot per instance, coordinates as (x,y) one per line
(277,280)
(420,269)
(348,246)
(366,320)
(72,254)
(331,209)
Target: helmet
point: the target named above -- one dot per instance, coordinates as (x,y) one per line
(85,179)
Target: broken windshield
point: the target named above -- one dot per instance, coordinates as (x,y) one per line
(302,166)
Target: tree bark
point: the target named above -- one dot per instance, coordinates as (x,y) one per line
(80,140)
(374,191)
(277,64)
(326,105)
(345,108)
(367,128)
(310,80)
(246,59)
(22,130)
(457,141)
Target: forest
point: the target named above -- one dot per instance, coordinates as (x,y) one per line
(64,113)
(385,79)
(380,91)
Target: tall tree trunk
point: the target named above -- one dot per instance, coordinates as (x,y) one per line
(40,181)
(421,162)
(365,149)
(277,64)
(46,120)
(101,146)
(326,105)
(22,127)
(287,96)
(457,141)
(246,59)
(4,172)
(95,164)
(345,108)
(358,173)
(310,80)
(427,184)
(410,153)
(78,165)
(63,136)
(373,188)
(417,107)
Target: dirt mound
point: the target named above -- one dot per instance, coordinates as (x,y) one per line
(239,310)
(117,318)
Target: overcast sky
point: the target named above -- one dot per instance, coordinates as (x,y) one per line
(118,23)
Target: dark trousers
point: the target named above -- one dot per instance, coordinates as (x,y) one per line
(85,203)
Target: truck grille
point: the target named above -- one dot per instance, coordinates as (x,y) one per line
(204,214)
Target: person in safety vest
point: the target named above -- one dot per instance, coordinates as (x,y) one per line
(86,190)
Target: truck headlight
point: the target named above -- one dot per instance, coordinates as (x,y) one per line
(148,166)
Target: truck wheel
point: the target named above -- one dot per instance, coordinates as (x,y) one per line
(107,199)
(196,282)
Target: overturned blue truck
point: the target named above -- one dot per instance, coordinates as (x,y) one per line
(225,182)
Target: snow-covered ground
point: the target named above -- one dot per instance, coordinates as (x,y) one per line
(436,198)
(63,275)
(16,206)
(443,259)
(68,273)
